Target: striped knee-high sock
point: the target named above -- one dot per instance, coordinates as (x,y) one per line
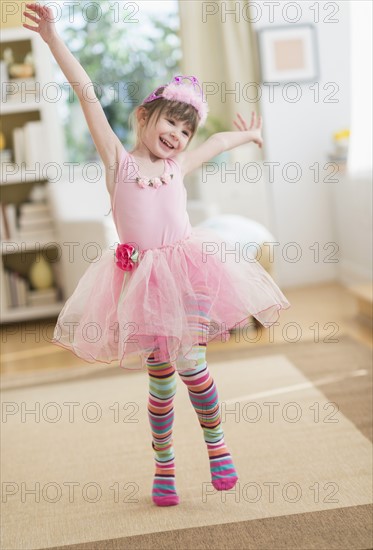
(162,388)
(204,398)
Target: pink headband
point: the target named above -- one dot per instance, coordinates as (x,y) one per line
(185,89)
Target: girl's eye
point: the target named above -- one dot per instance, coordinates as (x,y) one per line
(185,132)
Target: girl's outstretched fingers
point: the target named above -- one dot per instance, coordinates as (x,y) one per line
(44,18)
(35,19)
(37,8)
(243,121)
(253,121)
(241,124)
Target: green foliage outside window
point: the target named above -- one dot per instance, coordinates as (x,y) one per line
(125,62)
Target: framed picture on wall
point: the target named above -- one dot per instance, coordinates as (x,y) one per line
(288,53)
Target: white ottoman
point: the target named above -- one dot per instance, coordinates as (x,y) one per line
(239,229)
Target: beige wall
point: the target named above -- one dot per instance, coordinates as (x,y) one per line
(12,13)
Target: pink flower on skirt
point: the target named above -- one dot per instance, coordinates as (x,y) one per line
(126,255)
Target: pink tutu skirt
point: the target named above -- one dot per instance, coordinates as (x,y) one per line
(187,293)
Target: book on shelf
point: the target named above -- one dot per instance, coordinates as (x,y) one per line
(33,140)
(30,221)
(16,291)
(35,221)
(29,144)
(33,209)
(36,224)
(8,221)
(4,226)
(18,146)
(3,290)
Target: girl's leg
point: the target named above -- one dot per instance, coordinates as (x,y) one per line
(162,388)
(204,398)
(203,395)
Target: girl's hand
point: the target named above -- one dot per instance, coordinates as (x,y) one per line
(44,19)
(255,128)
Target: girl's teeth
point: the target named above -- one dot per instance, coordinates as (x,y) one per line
(166,143)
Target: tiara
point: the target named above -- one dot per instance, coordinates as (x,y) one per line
(185,89)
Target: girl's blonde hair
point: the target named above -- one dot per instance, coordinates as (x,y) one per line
(174,109)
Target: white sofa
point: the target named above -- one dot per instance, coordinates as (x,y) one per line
(84,226)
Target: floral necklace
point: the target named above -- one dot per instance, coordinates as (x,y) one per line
(156,182)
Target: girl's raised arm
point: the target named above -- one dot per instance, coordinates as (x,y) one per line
(107,143)
(223,141)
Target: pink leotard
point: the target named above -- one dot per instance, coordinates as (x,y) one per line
(150,217)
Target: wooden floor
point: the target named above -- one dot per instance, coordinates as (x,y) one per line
(322,311)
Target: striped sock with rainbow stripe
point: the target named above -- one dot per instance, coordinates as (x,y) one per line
(204,398)
(203,395)
(162,388)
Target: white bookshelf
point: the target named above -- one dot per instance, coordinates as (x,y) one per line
(19,107)
(16,181)
(22,313)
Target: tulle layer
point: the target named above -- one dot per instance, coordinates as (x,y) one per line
(187,293)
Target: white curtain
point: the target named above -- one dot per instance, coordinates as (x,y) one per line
(219,48)
(360,153)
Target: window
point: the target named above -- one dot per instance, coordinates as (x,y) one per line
(127,50)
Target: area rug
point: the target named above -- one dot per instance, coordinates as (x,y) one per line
(77,463)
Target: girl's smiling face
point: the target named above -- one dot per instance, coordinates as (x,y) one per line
(167,137)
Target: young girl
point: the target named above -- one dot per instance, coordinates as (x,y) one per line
(169,288)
